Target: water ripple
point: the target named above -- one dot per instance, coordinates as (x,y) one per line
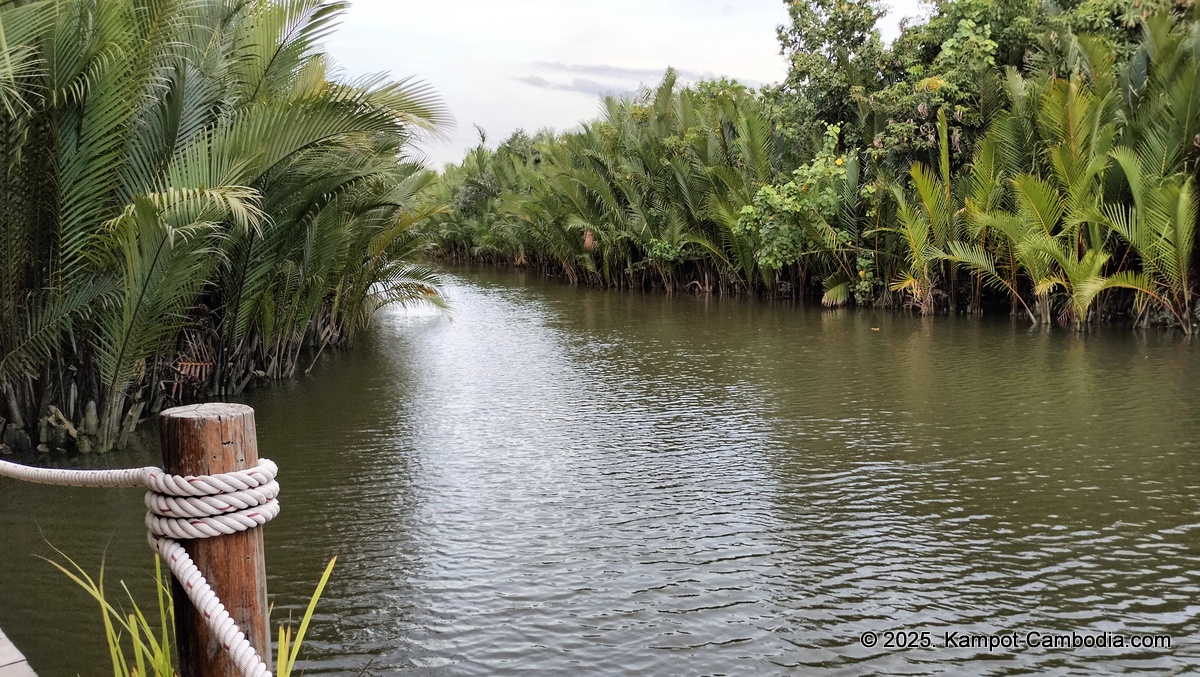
(569,482)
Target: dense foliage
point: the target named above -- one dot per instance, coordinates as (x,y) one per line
(653,190)
(1014,155)
(187,199)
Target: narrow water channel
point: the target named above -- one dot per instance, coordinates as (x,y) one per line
(561,481)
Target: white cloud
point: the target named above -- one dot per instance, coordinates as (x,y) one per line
(582,85)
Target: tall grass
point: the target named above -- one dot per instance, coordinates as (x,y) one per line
(139,648)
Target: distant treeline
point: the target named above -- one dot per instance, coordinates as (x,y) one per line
(188,199)
(1014,156)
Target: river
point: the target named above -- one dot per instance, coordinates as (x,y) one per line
(563,481)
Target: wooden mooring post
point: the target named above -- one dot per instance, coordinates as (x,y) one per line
(207,439)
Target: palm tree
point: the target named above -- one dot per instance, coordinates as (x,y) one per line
(1160,226)
(179,164)
(1057,182)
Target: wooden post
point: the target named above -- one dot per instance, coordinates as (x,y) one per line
(207,439)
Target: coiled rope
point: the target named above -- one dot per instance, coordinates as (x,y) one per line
(179,507)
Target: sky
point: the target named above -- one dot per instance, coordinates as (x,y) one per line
(501,65)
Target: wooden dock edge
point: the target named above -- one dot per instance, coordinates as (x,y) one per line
(12,663)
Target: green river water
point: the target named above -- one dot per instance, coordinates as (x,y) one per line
(562,481)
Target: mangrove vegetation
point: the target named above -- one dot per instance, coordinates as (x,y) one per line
(189,198)
(1023,157)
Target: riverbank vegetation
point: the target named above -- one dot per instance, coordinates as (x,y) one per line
(189,198)
(1017,156)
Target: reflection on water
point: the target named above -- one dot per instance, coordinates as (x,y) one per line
(569,482)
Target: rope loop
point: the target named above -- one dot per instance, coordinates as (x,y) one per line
(211,485)
(184,507)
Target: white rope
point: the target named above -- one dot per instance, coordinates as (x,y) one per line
(182,508)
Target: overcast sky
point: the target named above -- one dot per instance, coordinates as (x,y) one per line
(507,64)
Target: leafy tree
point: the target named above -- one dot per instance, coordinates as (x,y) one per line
(832,48)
